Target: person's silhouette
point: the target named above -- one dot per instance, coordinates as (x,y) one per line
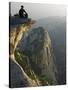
(23,13)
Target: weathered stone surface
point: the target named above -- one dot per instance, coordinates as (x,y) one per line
(38,47)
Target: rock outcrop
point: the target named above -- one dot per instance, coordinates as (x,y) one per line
(38,48)
(32,60)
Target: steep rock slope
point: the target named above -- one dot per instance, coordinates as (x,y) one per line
(32,53)
(56,27)
(38,48)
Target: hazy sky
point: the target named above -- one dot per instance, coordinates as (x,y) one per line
(38,11)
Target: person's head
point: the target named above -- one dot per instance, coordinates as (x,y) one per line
(22,6)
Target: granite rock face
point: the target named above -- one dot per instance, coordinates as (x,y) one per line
(37,46)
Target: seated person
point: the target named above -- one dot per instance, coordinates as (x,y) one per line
(23,13)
